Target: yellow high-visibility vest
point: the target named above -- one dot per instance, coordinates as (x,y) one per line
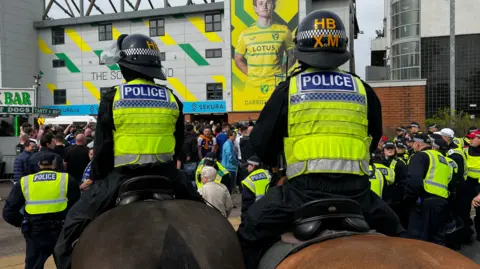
(221,171)
(45,192)
(439,174)
(376,181)
(473,163)
(257,182)
(327,124)
(144,115)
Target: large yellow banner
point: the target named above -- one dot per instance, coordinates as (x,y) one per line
(262,41)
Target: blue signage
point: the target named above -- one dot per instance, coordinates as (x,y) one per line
(76,110)
(204,107)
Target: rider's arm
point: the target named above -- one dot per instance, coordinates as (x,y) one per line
(73,193)
(374,117)
(103,162)
(271,126)
(179,131)
(248,198)
(15,201)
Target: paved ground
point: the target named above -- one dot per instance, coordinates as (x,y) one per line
(12,244)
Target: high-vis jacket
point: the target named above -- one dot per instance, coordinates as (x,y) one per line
(459,142)
(473,163)
(221,171)
(461,153)
(388,172)
(257,182)
(439,174)
(45,192)
(327,124)
(376,181)
(144,115)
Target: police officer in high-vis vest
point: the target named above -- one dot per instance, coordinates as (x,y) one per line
(255,184)
(140,128)
(47,196)
(429,174)
(223,176)
(377,180)
(326,151)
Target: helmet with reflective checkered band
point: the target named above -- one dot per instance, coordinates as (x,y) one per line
(321,40)
(137,52)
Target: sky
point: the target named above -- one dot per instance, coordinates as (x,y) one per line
(369,16)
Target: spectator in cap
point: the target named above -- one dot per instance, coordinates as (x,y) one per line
(255,184)
(429,176)
(413,128)
(400,132)
(466,140)
(223,176)
(383,139)
(46,197)
(432,128)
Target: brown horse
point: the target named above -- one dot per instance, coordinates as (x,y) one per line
(173,234)
(376,252)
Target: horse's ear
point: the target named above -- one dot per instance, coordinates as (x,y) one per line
(175,246)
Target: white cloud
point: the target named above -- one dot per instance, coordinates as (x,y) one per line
(369,17)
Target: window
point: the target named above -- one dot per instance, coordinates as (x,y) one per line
(406,31)
(105,32)
(213,53)
(214,91)
(59,97)
(163,57)
(213,22)
(157,27)
(58,36)
(58,63)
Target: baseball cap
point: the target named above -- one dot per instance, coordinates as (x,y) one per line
(421,137)
(446,132)
(384,138)
(210,159)
(414,124)
(474,134)
(401,129)
(389,144)
(47,159)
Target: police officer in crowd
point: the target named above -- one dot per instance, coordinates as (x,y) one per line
(432,128)
(127,146)
(223,176)
(47,196)
(400,133)
(429,174)
(327,154)
(402,151)
(472,186)
(377,180)
(255,184)
(413,128)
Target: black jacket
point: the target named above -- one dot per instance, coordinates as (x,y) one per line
(37,156)
(271,126)
(103,159)
(20,166)
(16,200)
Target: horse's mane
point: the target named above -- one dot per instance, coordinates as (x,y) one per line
(175,246)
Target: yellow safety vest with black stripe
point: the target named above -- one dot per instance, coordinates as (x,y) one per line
(376,181)
(221,171)
(144,115)
(439,174)
(257,182)
(473,163)
(461,153)
(45,192)
(327,124)
(387,172)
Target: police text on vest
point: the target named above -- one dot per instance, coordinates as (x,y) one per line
(330,81)
(145,92)
(45,177)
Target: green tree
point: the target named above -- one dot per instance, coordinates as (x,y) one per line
(460,122)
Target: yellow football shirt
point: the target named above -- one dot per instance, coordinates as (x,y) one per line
(264,50)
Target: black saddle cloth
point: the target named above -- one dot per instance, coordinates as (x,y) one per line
(145,188)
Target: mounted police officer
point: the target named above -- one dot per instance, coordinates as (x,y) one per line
(140,129)
(47,196)
(327,122)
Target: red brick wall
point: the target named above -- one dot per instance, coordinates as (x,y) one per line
(242,116)
(401,105)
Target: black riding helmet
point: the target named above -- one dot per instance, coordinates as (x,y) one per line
(321,40)
(141,54)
